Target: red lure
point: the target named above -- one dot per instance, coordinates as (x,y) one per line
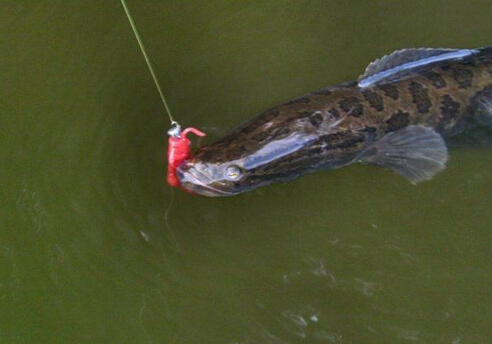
(178,151)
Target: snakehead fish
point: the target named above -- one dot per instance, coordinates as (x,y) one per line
(396,115)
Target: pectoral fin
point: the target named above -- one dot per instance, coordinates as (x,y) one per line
(415,152)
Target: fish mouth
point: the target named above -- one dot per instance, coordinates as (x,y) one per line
(195,181)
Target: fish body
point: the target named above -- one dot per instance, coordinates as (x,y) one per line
(396,115)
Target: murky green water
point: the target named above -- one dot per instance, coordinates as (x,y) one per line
(356,255)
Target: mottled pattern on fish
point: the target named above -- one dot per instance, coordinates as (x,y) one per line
(337,123)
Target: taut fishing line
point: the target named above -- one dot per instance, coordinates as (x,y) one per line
(151,69)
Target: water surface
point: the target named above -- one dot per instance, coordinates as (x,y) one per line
(356,255)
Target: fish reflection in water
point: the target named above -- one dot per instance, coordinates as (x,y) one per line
(397,115)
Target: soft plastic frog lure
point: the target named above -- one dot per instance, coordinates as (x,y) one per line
(178,150)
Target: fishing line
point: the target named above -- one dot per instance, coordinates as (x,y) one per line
(151,69)
(175,127)
(172,238)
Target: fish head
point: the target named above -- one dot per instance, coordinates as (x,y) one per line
(213,173)
(238,163)
(218,170)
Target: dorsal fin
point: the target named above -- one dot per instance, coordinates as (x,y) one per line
(402,61)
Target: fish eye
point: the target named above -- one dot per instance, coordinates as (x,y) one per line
(233,173)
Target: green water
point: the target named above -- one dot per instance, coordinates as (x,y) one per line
(356,255)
